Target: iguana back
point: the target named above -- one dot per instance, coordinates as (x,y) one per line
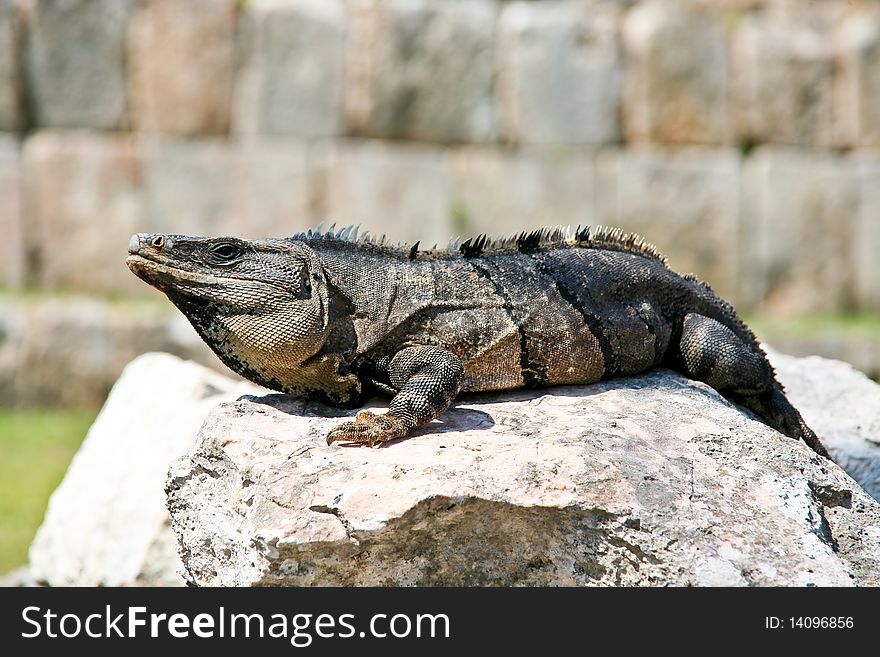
(333,317)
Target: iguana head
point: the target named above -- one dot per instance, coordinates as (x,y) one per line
(260,305)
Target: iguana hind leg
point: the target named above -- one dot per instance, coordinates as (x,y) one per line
(428,379)
(713,353)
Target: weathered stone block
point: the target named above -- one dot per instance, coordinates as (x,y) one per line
(76,62)
(292,80)
(857,88)
(783,82)
(799,220)
(500,193)
(866,236)
(685,202)
(82,196)
(181,59)
(398,190)
(12,245)
(10,84)
(559,73)
(216,187)
(419,69)
(676,81)
(116,532)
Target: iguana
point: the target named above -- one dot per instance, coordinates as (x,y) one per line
(333,317)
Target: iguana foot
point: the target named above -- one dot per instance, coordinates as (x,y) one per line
(368,428)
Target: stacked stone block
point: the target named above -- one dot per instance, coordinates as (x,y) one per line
(739,136)
(13,252)
(422,70)
(676,75)
(291,80)
(75,63)
(10,83)
(182,60)
(559,73)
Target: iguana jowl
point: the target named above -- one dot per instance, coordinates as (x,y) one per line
(335,318)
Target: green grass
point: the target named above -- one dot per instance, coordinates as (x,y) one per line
(853,325)
(35,449)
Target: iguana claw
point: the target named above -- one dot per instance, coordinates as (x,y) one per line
(368,428)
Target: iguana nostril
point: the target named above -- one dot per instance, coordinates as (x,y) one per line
(158,242)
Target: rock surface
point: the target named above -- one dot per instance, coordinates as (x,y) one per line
(845,415)
(654,480)
(107,524)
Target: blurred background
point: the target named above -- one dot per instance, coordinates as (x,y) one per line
(739,136)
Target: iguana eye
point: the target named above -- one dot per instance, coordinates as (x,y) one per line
(225,251)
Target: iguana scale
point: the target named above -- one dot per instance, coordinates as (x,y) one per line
(336,318)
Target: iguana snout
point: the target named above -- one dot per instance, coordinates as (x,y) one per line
(141,241)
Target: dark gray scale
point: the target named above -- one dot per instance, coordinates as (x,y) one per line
(556,346)
(616,295)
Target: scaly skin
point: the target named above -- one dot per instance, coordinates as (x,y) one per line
(329,317)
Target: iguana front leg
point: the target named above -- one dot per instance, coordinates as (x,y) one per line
(428,379)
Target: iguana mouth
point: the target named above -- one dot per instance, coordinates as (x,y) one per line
(154,272)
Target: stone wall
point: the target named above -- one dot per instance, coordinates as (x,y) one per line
(741,136)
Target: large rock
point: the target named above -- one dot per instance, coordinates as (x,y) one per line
(559,72)
(181,58)
(644,481)
(845,415)
(419,69)
(107,524)
(75,63)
